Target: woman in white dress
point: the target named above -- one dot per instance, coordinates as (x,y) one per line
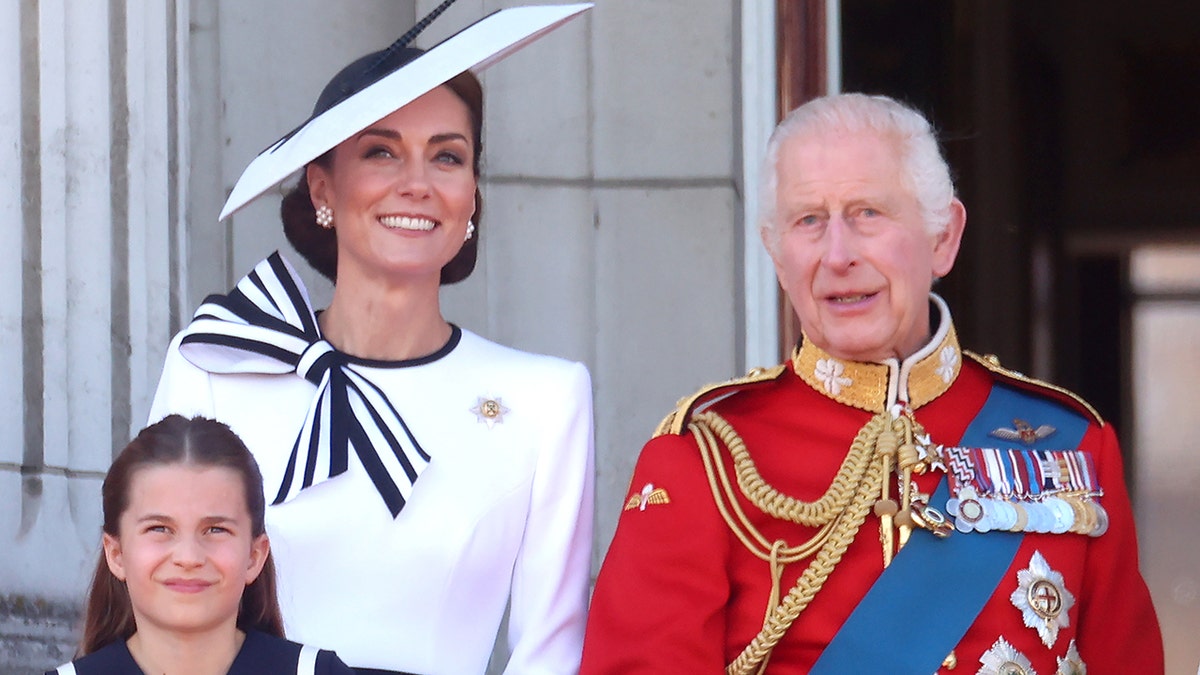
(422,479)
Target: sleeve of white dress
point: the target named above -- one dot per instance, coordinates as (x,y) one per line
(550,580)
(183,388)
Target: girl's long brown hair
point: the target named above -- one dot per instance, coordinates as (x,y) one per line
(199,442)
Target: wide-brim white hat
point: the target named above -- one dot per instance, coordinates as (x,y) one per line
(474,48)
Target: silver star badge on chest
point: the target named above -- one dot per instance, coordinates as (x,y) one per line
(1071,664)
(489,411)
(1043,599)
(1004,659)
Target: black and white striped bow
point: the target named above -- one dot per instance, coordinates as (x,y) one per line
(267,325)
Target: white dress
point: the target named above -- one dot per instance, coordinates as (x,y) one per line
(501,514)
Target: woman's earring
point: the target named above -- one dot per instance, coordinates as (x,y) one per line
(470,230)
(325,216)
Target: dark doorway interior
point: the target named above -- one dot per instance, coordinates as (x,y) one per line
(1073,128)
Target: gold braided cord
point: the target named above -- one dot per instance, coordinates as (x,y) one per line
(856,486)
(811,580)
(702,428)
(814,576)
(778,505)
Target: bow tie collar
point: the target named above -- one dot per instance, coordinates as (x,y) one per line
(267,325)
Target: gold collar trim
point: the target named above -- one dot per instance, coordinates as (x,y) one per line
(875,387)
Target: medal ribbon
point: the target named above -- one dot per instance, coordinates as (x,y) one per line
(266,325)
(1021,473)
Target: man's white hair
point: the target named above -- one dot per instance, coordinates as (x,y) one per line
(923,169)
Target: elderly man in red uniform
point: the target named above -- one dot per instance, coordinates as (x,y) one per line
(884,501)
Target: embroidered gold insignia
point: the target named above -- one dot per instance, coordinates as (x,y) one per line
(649,495)
(1071,664)
(1024,432)
(489,411)
(1004,659)
(1043,599)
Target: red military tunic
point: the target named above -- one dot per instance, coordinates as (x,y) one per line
(679,593)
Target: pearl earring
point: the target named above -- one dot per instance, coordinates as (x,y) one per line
(325,216)
(470,230)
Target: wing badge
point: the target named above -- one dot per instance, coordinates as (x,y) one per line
(648,495)
(1024,432)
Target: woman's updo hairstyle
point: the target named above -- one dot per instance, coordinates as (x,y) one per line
(319,245)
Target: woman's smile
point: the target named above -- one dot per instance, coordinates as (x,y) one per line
(416,223)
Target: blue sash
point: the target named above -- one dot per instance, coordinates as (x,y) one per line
(883,629)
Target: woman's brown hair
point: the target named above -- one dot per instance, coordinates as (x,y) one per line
(199,442)
(318,245)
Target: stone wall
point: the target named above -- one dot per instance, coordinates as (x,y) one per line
(36,634)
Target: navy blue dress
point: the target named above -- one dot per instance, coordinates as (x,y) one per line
(260,653)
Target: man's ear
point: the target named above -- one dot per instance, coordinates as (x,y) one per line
(770,240)
(946,242)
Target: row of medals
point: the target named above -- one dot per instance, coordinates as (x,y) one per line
(1056,512)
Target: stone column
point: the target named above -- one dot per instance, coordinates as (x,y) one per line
(89,205)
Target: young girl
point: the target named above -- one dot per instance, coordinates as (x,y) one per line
(185,583)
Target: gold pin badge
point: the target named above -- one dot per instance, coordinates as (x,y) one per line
(648,495)
(489,411)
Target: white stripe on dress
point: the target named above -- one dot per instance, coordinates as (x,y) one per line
(307,663)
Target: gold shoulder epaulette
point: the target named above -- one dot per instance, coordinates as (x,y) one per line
(676,421)
(1067,397)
